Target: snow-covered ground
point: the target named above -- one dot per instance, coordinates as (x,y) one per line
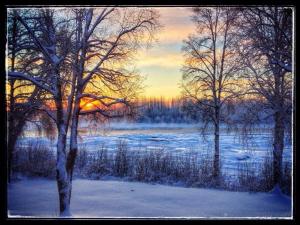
(110,198)
(176,138)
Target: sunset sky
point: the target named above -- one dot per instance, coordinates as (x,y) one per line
(161,63)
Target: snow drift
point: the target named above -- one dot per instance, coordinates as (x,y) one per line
(111,198)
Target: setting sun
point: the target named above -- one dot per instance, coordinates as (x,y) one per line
(88,104)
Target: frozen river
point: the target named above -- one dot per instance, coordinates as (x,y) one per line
(176,138)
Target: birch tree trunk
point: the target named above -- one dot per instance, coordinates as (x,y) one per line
(216,163)
(11,146)
(73,145)
(63,183)
(14,132)
(11,138)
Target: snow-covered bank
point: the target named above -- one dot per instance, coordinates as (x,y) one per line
(94,198)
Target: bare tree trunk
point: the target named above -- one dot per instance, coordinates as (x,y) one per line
(278,144)
(73,145)
(216,163)
(14,132)
(77,72)
(11,146)
(63,183)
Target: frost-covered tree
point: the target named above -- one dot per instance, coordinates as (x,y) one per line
(210,72)
(50,40)
(81,53)
(266,44)
(105,41)
(23,98)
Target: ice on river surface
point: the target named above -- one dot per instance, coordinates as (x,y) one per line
(175,138)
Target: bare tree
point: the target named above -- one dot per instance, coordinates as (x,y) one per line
(23,98)
(105,82)
(80,56)
(266,48)
(51,42)
(210,73)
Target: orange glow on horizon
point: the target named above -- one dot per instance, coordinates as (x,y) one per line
(89,104)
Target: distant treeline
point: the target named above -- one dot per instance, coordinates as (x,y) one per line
(180,110)
(160,110)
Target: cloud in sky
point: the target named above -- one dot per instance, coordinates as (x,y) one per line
(176,23)
(159,59)
(162,63)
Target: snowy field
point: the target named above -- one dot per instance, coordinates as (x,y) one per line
(94,198)
(176,138)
